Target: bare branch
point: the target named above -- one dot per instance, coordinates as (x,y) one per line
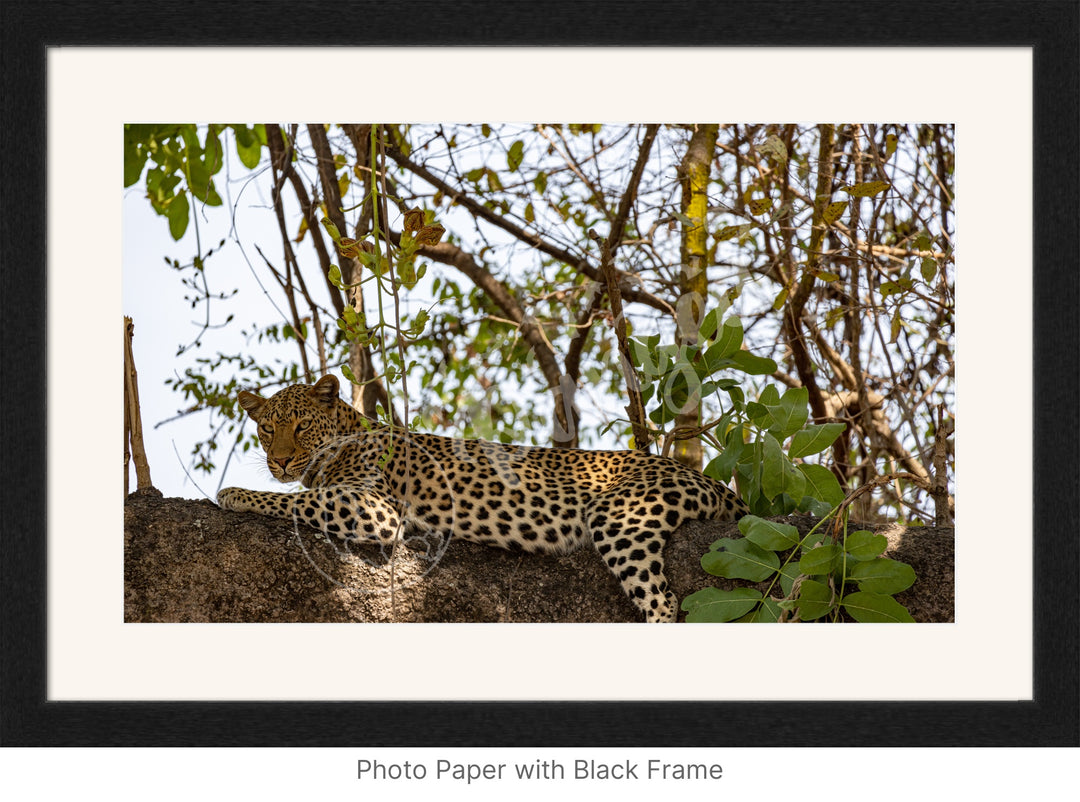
(635,409)
(281,157)
(478,210)
(452,255)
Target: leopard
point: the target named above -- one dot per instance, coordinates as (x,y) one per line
(365,482)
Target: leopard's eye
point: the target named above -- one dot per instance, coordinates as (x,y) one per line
(266,429)
(303,424)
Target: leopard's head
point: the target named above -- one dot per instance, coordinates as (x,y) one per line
(294,424)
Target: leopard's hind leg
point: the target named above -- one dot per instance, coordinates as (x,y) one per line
(630,537)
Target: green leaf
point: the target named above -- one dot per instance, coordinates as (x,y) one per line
(722,466)
(712,320)
(882,576)
(791,413)
(928,268)
(739,559)
(789,572)
(641,354)
(768,534)
(770,396)
(767,613)
(821,483)
(814,439)
(198,174)
(515,155)
(754,365)
(864,545)
(737,398)
(820,560)
(177,213)
(244,135)
(134,158)
(212,156)
(713,605)
(712,363)
(778,474)
(729,340)
(873,608)
(759,414)
(815,600)
(334,274)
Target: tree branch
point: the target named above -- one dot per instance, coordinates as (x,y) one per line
(370,391)
(635,409)
(615,237)
(481,212)
(797,301)
(280,156)
(452,255)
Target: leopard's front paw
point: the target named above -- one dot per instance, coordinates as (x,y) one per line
(233,498)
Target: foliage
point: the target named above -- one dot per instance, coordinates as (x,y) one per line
(812,586)
(809,578)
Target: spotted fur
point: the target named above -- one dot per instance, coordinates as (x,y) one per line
(365,483)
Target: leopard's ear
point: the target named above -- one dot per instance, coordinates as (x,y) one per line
(325,391)
(251,403)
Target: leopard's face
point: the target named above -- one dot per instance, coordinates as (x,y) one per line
(294,424)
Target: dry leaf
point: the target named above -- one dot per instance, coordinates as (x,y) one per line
(833,211)
(868,189)
(430,235)
(414,219)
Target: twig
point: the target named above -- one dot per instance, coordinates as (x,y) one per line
(542,245)
(862,490)
(635,409)
(615,239)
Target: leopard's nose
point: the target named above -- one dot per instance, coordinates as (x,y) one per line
(282,462)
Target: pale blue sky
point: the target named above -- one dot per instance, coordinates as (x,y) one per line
(153,296)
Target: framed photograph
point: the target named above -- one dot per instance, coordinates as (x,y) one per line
(987,94)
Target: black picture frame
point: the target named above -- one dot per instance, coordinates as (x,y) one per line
(28,718)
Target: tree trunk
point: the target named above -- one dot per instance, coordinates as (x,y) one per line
(693,278)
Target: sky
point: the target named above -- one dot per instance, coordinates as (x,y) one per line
(153,295)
